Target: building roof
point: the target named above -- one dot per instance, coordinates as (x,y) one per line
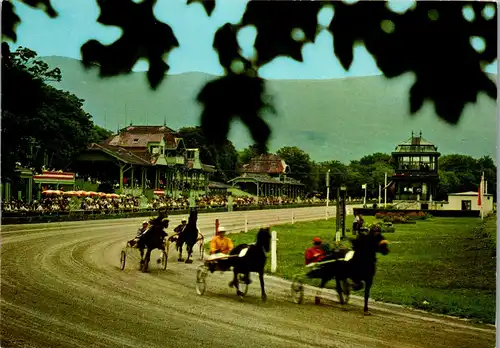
(140,136)
(469,193)
(266,164)
(138,158)
(416,144)
(265,179)
(218,185)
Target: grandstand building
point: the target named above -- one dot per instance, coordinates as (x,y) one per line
(266,175)
(146,157)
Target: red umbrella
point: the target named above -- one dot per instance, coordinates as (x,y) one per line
(51,192)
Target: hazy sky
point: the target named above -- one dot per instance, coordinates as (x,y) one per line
(194,30)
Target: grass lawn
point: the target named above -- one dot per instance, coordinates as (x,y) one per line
(447,262)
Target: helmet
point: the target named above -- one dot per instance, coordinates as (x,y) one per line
(374,228)
(222,229)
(183,219)
(145,222)
(316,240)
(165,220)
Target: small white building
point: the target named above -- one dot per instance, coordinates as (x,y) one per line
(468,201)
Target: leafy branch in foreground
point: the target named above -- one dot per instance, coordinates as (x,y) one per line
(431,40)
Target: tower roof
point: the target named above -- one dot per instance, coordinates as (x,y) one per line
(416,144)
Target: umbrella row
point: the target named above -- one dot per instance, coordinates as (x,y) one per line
(80,193)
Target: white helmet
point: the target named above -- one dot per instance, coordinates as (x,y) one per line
(145,222)
(183,219)
(222,229)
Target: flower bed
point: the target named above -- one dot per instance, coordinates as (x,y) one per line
(402,217)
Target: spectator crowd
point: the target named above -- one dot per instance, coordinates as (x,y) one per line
(52,204)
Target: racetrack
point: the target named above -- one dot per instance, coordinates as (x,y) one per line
(62,287)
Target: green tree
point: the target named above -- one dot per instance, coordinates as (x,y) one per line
(40,124)
(246,155)
(224,156)
(338,176)
(299,162)
(417,40)
(99,134)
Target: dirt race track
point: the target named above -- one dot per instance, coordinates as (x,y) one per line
(61,286)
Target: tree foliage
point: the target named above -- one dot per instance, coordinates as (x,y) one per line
(300,163)
(245,155)
(41,125)
(425,40)
(224,157)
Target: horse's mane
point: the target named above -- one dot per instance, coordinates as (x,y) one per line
(264,238)
(191,229)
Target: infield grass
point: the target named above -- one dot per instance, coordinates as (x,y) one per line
(442,265)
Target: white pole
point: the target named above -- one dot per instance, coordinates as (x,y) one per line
(274,264)
(364,198)
(246,222)
(327,193)
(293,218)
(379,194)
(481,193)
(385,190)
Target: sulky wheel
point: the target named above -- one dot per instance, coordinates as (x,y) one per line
(297,290)
(163,260)
(202,249)
(123,259)
(243,285)
(201,279)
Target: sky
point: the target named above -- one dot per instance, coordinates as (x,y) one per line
(76,23)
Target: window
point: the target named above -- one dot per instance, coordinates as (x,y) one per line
(466,205)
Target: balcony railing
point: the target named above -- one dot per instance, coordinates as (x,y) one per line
(175,160)
(411,197)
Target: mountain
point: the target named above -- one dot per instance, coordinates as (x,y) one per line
(340,119)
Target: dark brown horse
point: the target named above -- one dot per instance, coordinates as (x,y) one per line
(188,236)
(362,267)
(254,260)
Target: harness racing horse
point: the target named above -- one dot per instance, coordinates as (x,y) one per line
(362,266)
(188,236)
(152,239)
(337,269)
(253,260)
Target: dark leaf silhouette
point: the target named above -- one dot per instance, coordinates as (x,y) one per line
(234,96)
(143,37)
(432,40)
(10,20)
(276,22)
(208,5)
(44,5)
(226,45)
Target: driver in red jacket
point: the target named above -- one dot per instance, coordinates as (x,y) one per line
(316,252)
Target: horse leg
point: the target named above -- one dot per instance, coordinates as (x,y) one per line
(146,261)
(368,285)
(262,289)
(180,259)
(141,250)
(236,284)
(317,299)
(189,251)
(339,290)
